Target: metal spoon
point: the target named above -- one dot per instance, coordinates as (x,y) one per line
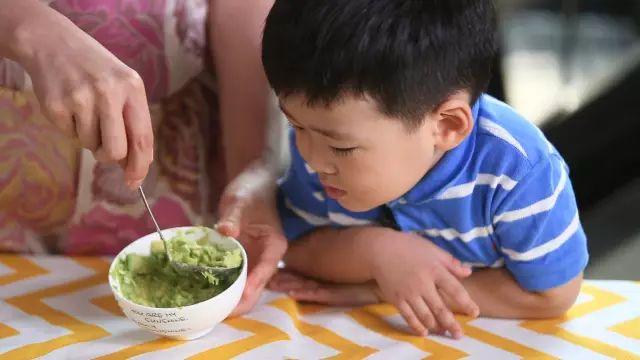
(176,264)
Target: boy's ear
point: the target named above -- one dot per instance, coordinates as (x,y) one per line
(454,122)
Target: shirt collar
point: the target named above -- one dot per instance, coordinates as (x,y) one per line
(445,173)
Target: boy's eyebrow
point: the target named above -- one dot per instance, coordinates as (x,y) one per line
(336,135)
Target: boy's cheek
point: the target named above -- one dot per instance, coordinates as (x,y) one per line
(369,193)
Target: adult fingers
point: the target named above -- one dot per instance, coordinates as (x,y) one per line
(255,180)
(247,302)
(87,125)
(320,295)
(286,282)
(261,274)
(137,121)
(262,271)
(337,295)
(60,115)
(256,282)
(113,147)
(273,243)
(139,147)
(231,210)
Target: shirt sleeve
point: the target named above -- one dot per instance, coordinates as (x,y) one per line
(302,205)
(538,228)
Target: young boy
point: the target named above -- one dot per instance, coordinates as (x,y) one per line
(402,169)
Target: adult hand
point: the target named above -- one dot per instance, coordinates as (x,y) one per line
(253,188)
(248,212)
(302,288)
(265,248)
(86,91)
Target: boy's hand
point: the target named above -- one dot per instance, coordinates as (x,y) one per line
(302,288)
(412,272)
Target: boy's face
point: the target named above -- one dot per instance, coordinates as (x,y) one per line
(364,158)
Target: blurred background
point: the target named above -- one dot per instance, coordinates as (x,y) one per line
(573,68)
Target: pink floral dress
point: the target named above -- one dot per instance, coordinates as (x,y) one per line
(55,198)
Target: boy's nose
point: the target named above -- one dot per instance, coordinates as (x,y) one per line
(315,158)
(321,167)
(318,163)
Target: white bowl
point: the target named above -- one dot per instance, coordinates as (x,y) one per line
(188,322)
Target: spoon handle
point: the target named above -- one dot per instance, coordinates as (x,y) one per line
(153,218)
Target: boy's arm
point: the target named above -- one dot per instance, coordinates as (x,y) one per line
(538,233)
(340,255)
(499,295)
(345,256)
(412,273)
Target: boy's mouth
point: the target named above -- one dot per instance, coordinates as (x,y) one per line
(333,192)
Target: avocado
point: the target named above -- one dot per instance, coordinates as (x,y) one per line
(157,246)
(152,281)
(137,264)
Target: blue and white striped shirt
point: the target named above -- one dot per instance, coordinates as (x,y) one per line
(501,198)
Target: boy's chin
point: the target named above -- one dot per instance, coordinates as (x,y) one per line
(356,206)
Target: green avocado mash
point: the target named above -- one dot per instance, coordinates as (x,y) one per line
(201,252)
(152,281)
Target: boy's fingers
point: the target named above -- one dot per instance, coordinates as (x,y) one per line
(458,269)
(438,331)
(411,319)
(443,315)
(458,295)
(425,316)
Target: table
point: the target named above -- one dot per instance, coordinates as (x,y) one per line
(62,308)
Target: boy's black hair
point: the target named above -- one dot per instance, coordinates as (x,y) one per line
(408,55)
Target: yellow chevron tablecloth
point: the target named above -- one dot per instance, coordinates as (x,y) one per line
(62,308)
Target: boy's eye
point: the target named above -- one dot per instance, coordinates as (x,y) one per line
(343,151)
